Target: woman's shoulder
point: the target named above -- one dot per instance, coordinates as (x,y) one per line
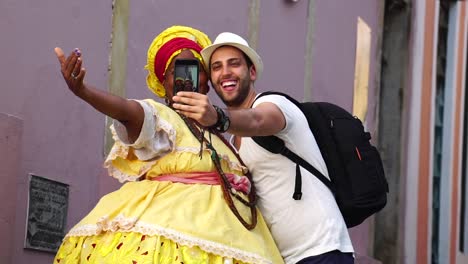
(158,108)
(152,102)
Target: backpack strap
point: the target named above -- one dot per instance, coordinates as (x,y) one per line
(306,165)
(277,146)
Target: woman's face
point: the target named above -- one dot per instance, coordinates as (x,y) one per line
(169,75)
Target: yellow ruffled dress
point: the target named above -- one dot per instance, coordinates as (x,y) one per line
(151,221)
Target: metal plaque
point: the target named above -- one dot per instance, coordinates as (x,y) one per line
(47,214)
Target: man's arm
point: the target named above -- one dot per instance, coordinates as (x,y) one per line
(263,120)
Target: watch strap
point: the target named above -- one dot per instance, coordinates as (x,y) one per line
(223,122)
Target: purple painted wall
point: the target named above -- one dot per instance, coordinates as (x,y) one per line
(282,45)
(62,137)
(334,50)
(11,131)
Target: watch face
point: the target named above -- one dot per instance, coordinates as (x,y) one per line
(226,124)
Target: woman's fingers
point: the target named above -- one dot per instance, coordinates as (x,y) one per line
(76,70)
(70,64)
(81,75)
(60,55)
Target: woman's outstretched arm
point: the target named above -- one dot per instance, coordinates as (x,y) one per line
(128,112)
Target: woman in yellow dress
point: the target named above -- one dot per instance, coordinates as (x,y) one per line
(187,198)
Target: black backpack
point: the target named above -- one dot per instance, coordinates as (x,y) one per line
(355,168)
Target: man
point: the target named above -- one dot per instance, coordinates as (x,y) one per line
(310,230)
(188,85)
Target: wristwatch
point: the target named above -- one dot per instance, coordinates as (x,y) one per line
(223,123)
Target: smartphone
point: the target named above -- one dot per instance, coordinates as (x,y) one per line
(186,75)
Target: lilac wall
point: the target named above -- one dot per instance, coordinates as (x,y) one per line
(282,45)
(62,137)
(334,48)
(11,130)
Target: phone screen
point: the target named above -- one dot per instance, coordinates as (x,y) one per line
(186,75)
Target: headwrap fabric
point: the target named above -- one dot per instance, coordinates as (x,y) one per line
(155,65)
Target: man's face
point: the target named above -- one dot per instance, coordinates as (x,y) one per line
(188,85)
(230,75)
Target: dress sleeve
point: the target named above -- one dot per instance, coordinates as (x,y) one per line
(155,139)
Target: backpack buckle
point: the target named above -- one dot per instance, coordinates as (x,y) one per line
(297,195)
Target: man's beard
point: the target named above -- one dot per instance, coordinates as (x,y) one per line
(243,92)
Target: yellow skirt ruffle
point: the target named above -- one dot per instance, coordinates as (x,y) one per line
(165,222)
(133,248)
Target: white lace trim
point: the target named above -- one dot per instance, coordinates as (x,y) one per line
(123,177)
(118,149)
(167,127)
(123,224)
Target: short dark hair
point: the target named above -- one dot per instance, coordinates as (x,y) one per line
(248,60)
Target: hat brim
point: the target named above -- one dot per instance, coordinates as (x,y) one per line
(207,52)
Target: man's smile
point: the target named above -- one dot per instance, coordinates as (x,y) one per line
(229,85)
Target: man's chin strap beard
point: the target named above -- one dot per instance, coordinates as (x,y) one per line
(234,103)
(227,103)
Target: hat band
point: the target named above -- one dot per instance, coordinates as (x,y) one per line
(166,51)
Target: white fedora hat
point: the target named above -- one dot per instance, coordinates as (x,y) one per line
(231,39)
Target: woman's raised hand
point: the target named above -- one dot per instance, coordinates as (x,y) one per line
(71,69)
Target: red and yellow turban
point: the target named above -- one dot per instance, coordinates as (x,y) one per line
(165,47)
